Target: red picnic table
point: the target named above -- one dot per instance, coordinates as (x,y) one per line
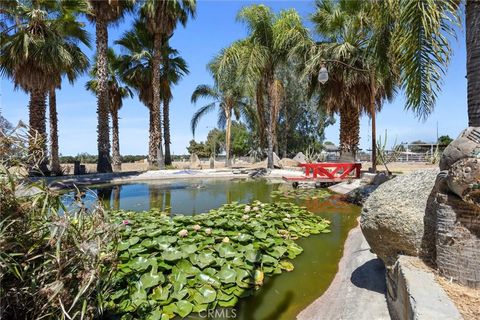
(328,171)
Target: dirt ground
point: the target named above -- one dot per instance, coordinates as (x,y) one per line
(395,167)
(466,299)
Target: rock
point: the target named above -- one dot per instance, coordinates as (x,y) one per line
(392,216)
(452,235)
(300,157)
(464,179)
(380,178)
(276,161)
(286,162)
(467,145)
(195,161)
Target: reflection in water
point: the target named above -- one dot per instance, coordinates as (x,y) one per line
(283,296)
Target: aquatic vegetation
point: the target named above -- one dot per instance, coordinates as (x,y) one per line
(301,194)
(164,271)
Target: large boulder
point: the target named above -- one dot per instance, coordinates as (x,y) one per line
(287,162)
(392,218)
(300,157)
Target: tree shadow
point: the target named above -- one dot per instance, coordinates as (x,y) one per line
(370,276)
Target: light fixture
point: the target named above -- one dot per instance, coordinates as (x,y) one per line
(323,75)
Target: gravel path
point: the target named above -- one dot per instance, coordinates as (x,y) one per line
(358,289)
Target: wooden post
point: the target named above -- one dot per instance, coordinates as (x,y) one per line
(374,128)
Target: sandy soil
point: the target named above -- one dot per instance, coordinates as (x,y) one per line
(467,300)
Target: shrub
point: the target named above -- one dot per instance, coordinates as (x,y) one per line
(53,264)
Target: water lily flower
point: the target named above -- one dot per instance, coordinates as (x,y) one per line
(183,233)
(245,216)
(255,208)
(208,231)
(258,215)
(285,220)
(262,205)
(226,240)
(287,215)
(125,222)
(196,227)
(247,209)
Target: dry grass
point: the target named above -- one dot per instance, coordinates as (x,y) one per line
(466,299)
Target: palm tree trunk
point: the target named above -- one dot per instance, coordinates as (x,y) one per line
(52,112)
(152,143)
(228,131)
(38,137)
(116,159)
(103,141)
(116,197)
(373,113)
(270,124)
(261,113)
(157,59)
(349,131)
(166,131)
(473,61)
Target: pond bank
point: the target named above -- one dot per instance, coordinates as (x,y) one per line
(358,289)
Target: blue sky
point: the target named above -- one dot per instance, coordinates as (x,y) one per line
(214,28)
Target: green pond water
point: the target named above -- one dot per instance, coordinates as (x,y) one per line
(282,296)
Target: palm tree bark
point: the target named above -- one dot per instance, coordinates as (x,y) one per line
(270,124)
(157,134)
(166,131)
(373,114)
(228,133)
(116,159)
(261,113)
(152,144)
(103,141)
(349,130)
(473,61)
(37,131)
(53,117)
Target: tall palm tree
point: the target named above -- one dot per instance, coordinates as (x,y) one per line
(104,13)
(162,18)
(135,69)
(116,94)
(174,67)
(269,43)
(39,47)
(229,103)
(361,75)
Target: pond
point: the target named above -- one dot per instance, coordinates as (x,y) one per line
(282,296)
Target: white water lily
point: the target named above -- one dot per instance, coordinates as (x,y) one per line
(196,227)
(255,208)
(226,240)
(208,231)
(245,216)
(183,233)
(247,209)
(258,216)
(287,215)
(262,205)
(285,220)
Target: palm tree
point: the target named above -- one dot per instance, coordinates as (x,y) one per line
(116,94)
(104,13)
(36,51)
(136,70)
(473,62)
(228,101)
(269,44)
(361,74)
(174,67)
(162,18)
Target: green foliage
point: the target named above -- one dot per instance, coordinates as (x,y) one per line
(176,266)
(53,264)
(444,141)
(198,148)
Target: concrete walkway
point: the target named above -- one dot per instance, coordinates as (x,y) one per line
(358,289)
